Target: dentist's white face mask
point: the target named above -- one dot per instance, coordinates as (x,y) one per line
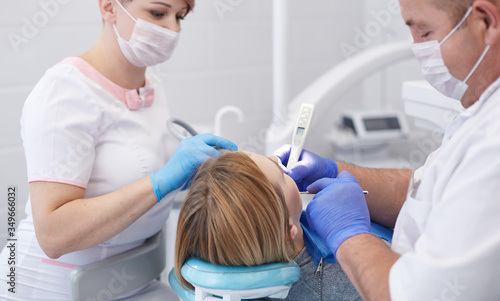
(149,44)
(435,71)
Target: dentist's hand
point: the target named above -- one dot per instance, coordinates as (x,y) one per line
(338,211)
(190,154)
(309,169)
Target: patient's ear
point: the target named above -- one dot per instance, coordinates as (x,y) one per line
(292,232)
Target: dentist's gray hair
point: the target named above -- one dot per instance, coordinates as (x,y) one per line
(456,9)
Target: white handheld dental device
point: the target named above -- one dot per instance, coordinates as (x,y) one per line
(300,133)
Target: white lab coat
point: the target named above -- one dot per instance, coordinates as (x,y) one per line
(77,130)
(448,230)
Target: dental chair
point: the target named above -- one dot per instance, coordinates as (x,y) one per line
(215,283)
(120,274)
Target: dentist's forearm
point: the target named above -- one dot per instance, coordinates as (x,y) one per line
(387,190)
(367,262)
(64,226)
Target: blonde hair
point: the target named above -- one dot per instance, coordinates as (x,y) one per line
(232,216)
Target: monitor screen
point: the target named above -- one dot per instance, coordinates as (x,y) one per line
(381,124)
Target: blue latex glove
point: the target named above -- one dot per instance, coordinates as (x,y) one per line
(190,154)
(309,169)
(338,211)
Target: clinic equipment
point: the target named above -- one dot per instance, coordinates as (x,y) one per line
(180,129)
(300,132)
(221,113)
(142,264)
(375,126)
(235,283)
(334,83)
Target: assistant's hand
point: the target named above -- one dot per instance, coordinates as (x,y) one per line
(309,169)
(190,154)
(338,210)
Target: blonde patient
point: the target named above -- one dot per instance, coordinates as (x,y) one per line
(242,210)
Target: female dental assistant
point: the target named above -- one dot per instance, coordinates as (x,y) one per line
(446,243)
(99,167)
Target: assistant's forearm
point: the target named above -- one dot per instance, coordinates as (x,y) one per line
(87,222)
(367,262)
(387,190)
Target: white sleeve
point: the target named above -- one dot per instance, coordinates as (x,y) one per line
(60,124)
(457,257)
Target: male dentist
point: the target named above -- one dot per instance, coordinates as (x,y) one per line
(446,244)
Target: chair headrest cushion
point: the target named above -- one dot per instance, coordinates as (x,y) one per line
(203,274)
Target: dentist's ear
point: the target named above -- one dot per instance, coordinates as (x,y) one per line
(489,13)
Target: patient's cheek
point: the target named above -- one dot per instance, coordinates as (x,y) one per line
(294,203)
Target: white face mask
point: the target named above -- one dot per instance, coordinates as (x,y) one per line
(149,44)
(434,69)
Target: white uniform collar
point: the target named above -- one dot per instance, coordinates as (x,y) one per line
(457,123)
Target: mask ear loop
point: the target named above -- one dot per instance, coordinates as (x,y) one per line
(478,62)
(119,4)
(469,11)
(114,26)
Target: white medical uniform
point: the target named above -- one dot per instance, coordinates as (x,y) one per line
(77,130)
(448,231)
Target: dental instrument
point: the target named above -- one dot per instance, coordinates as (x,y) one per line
(307,192)
(300,133)
(180,129)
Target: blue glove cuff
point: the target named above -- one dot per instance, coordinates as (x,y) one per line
(159,181)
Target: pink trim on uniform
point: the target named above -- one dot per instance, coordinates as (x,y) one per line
(59,264)
(42,179)
(116,91)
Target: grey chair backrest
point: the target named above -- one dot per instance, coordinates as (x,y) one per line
(120,274)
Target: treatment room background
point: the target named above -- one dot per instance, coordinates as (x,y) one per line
(224,57)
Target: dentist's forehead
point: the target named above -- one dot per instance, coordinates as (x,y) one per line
(423,13)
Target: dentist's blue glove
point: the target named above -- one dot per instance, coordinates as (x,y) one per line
(309,169)
(190,154)
(338,211)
